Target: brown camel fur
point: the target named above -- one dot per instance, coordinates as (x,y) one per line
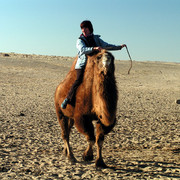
(96,99)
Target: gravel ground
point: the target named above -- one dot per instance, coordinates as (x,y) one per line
(145,143)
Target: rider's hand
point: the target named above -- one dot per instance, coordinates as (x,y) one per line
(97,48)
(123,45)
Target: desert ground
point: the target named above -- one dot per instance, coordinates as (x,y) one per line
(144,144)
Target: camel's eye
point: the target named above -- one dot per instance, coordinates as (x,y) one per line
(99,57)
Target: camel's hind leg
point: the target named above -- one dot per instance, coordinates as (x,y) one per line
(101,130)
(84,125)
(66,125)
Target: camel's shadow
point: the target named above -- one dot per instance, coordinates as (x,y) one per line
(154,169)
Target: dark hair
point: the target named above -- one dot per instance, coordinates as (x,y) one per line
(87,24)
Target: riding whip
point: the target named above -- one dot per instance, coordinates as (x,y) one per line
(130,60)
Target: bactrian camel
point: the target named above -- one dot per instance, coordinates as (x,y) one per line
(96,99)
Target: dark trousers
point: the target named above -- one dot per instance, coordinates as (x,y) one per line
(78,81)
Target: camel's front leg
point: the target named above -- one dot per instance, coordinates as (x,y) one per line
(99,142)
(101,130)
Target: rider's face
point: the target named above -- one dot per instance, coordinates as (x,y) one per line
(85,31)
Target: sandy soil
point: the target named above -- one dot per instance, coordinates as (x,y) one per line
(145,143)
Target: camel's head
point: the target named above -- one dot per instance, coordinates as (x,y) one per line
(105,62)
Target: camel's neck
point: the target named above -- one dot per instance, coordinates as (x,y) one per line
(105,93)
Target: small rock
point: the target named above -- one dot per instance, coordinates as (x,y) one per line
(6,55)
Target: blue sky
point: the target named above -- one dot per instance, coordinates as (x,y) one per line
(150,28)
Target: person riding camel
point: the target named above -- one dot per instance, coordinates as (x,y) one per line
(87,44)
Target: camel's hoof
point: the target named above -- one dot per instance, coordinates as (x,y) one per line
(87,157)
(100,164)
(72,159)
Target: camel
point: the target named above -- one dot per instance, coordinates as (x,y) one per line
(96,99)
